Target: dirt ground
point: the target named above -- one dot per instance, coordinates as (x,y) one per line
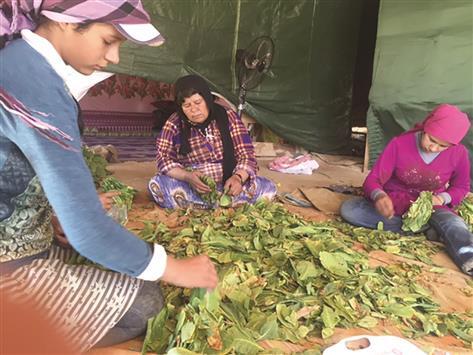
(333,170)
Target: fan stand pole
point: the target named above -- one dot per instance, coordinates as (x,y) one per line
(241,101)
(241,106)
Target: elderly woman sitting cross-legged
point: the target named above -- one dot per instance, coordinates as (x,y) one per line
(203,140)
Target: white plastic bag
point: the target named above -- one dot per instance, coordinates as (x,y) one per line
(373,345)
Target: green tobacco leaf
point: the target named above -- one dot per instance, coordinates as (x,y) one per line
(225,200)
(465,211)
(246,346)
(187,331)
(286,316)
(270,329)
(327,333)
(392,249)
(329,317)
(334,263)
(314,246)
(241,341)
(279,258)
(157,335)
(180,321)
(303,331)
(307,269)
(399,310)
(212,301)
(186,232)
(180,351)
(438,270)
(368,322)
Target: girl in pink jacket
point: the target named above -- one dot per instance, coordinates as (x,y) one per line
(427,158)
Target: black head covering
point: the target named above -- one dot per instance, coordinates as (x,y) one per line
(216,112)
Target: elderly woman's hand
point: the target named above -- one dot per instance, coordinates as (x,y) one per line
(193,178)
(233,185)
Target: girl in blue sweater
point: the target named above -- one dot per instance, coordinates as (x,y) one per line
(42,169)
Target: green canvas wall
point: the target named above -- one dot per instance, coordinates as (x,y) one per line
(307,97)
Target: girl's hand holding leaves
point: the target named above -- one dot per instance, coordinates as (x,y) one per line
(437,200)
(197,271)
(384,205)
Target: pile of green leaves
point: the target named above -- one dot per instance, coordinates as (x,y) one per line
(419,213)
(410,246)
(465,210)
(127,193)
(96,164)
(212,196)
(282,278)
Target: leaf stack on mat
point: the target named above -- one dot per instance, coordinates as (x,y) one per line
(282,278)
(465,210)
(212,196)
(419,213)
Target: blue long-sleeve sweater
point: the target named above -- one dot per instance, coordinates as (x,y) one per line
(25,153)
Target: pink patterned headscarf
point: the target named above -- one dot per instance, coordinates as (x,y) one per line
(128,16)
(445,122)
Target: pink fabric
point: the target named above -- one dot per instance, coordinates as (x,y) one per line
(445,122)
(401,172)
(287,161)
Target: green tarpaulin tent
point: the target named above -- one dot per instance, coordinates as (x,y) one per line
(307,97)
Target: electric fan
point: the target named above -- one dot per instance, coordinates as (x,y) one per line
(252,64)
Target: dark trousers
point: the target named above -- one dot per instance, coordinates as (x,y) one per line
(146,305)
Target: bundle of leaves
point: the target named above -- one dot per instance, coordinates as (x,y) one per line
(96,164)
(465,210)
(419,213)
(127,193)
(282,278)
(212,196)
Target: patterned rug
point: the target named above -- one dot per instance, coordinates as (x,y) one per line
(133,148)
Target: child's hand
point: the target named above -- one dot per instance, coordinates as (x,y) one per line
(197,271)
(384,205)
(437,200)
